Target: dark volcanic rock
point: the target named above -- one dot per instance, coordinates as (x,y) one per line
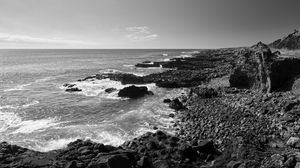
(110,90)
(292,41)
(133,92)
(204,92)
(176,104)
(258,68)
(73,89)
(167,100)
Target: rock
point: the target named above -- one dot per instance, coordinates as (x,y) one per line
(110,90)
(293,142)
(233,164)
(252,68)
(145,162)
(161,164)
(176,104)
(69,85)
(277,160)
(297,165)
(133,92)
(292,41)
(206,147)
(112,161)
(74,89)
(188,152)
(204,92)
(290,162)
(167,100)
(72,164)
(172,115)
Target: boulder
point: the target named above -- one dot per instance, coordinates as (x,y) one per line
(176,104)
(258,68)
(167,101)
(73,89)
(110,90)
(133,92)
(293,142)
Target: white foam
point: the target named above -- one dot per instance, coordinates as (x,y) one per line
(184,56)
(54,144)
(128,65)
(17,88)
(107,138)
(8,119)
(190,52)
(30,104)
(30,126)
(8,107)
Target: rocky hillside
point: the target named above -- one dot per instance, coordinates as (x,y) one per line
(291,42)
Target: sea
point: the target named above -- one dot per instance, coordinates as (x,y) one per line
(37,113)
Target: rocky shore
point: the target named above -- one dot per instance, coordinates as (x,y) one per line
(242,111)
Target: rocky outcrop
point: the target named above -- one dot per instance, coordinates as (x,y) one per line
(291,42)
(170,151)
(258,68)
(134,92)
(151,150)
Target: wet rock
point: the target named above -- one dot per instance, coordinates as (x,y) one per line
(233,164)
(167,100)
(133,92)
(73,89)
(176,104)
(161,164)
(72,164)
(172,115)
(145,162)
(110,90)
(293,142)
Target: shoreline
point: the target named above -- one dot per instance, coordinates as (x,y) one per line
(232,117)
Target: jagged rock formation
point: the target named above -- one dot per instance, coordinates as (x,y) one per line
(134,92)
(258,68)
(292,42)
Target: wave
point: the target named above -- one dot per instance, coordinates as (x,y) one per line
(30,104)
(11,120)
(184,56)
(8,120)
(18,87)
(29,126)
(54,144)
(34,102)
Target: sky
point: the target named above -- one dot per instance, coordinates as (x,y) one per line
(109,24)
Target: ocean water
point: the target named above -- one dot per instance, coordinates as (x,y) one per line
(36,112)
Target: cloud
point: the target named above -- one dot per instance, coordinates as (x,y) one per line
(16,38)
(140,33)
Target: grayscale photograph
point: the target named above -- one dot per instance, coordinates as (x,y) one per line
(149,84)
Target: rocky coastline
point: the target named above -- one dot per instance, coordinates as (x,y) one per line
(242,111)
